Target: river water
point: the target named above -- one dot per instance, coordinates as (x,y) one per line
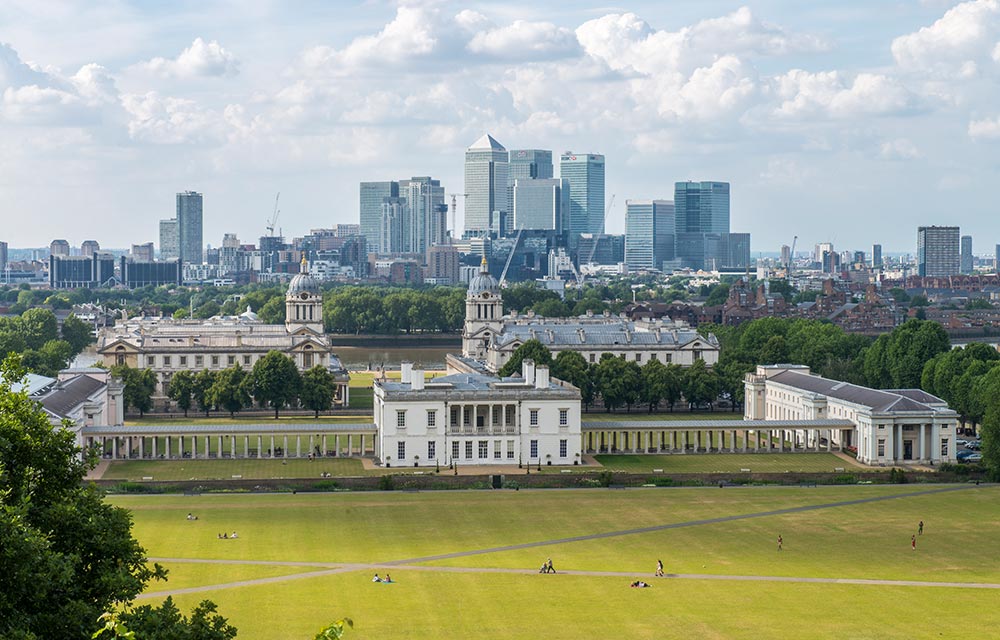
(363,359)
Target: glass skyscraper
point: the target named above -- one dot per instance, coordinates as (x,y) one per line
(540,204)
(585,173)
(168,239)
(967,260)
(701,217)
(486,175)
(649,233)
(938,251)
(421,226)
(189,227)
(373,194)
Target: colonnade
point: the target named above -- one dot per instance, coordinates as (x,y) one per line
(714,440)
(499,417)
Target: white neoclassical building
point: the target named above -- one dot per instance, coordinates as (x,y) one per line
(167,346)
(492,337)
(894,426)
(477,419)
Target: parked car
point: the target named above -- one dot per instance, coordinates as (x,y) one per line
(961,442)
(975,445)
(963,454)
(975,457)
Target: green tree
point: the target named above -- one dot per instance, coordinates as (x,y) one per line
(701,385)
(718,295)
(181,389)
(139,387)
(318,387)
(167,623)
(201,390)
(229,390)
(896,360)
(52,357)
(273,311)
(573,368)
(77,333)
(655,383)
(529,350)
(619,382)
(336,630)
(55,580)
(207,310)
(38,326)
(731,375)
(275,381)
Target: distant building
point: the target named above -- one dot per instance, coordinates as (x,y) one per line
(966,255)
(89,248)
(373,194)
(169,240)
(527,164)
(739,251)
(702,208)
(395,215)
(59,248)
(649,233)
(3,255)
(81,272)
(143,273)
(442,264)
(143,252)
(877,256)
(541,203)
(938,252)
(346,230)
(424,222)
(603,248)
(189,227)
(486,176)
(585,173)
(786,255)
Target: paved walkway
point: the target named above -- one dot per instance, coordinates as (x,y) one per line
(97,472)
(412,563)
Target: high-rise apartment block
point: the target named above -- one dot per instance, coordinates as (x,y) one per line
(3,256)
(73,272)
(189,227)
(585,173)
(876,256)
(442,264)
(373,194)
(996,258)
(89,248)
(423,223)
(540,203)
(346,230)
(966,254)
(649,233)
(59,248)
(169,242)
(143,252)
(486,176)
(938,251)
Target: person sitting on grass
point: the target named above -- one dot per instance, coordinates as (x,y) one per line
(376,578)
(234,536)
(388,579)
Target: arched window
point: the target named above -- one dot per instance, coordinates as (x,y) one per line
(307,357)
(120,355)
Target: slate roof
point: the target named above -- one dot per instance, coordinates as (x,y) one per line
(879,401)
(69,394)
(233,429)
(613,332)
(598,425)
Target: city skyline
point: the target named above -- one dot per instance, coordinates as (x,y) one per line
(788,103)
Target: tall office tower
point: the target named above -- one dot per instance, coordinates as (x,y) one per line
(859,257)
(527,164)
(821,248)
(59,248)
(169,240)
(876,256)
(189,227)
(372,196)
(739,251)
(938,251)
(585,173)
(89,248)
(228,253)
(702,208)
(3,255)
(649,233)
(966,257)
(143,252)
(437,225)
(395,212)
(424,196)
(996,258)
(541,203)
(786,255)
(486,170)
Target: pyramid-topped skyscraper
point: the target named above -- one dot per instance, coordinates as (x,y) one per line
(485,186)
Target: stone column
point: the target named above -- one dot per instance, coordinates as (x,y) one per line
(180,446)
(936,443)
(260,447)
(284,447)
(921,428)
(166,442)
(155,452)
(298,446)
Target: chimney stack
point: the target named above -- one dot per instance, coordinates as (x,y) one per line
(405,369)
(542,377)
(528,371)
(416,380)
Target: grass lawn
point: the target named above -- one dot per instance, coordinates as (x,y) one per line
(867,540)
(729,463)
(249,468)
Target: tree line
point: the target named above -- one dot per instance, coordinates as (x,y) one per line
(44,347)
(273,382)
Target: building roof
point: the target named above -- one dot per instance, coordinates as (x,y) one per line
(476,383)
(877,400)
(483,281)
(303,282)
(613,332)
(716,424)
(234,429)
(487,142)
(70,394)
(33,383)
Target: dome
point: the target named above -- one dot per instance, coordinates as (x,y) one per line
(483,281)
(249,315)
(303,282)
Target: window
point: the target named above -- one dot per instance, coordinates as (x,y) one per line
(944,448)
(697,355)
(401,417)
(592,358)
(199,361)
(881,447)
(215,361)
(484,449)
(533,417)
(431,417)
(307,359)
(246,360)
(510,449)
(151,361)
(563,447)
(400,450)
(638,357)
(183,361)
(230,360)
(468,449)
(431,450)
(534,449)
(166,362)
(454,449)
(668,357)
(563,417)
(653,356)
(497,453)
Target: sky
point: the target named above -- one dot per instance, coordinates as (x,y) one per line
(851,121)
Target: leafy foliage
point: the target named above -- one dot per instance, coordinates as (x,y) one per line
(274,381)
(318,387)
(530,350)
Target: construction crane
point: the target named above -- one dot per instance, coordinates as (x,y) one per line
(510,258)
(454,209)
(274,217)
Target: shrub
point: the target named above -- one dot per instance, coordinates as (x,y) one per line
(386,483)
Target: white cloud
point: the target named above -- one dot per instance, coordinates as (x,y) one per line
(32,104)
(805,94)
(201,59)
(166,120)
(985,129)
(525,40)
(899,149)
(957,43)
(14,72)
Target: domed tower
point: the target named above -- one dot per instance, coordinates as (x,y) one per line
(304,303)
(483,313)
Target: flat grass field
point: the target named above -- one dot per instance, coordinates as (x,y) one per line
(465,562)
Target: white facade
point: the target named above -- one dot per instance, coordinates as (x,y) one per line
(473,419)
(900,426)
